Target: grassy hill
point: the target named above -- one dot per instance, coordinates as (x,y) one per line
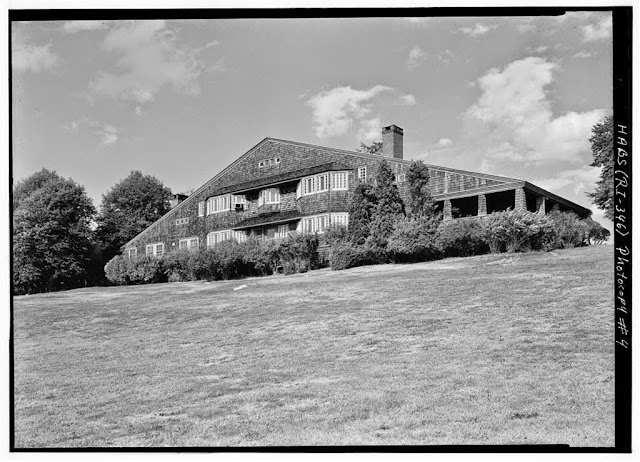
(497,349)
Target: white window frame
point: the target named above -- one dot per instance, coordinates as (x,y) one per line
(340,181)
(283,231)
(217,204)
(157,249)
(312,184)
(269,196)
(182,221)
(131,252)
(190,243)
(239,236)
(319,223)
(201,208)
(362,173)
(216,237)
(401,178)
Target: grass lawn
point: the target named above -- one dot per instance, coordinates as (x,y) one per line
(497,349)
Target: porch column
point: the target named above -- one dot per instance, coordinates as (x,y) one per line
(540,205)
(447,210)
(482,205)
(521,200)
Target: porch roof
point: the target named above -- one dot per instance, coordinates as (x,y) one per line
(271,218)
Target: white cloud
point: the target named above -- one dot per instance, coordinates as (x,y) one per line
(370,130)
(335,110)
(416,57)
(72,27)
(598,31)
(523,28)
(582,55)
(407,100)
(477,30)
(33,58)
(150,59)
(445,142)
(513,116)
(576,181)
(107,133)
(538,50)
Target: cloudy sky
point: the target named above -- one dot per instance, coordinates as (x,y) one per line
(182,99)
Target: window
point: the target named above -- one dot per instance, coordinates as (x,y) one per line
(239,199)
(316,184)
(322,183)
(182,221)
(189,243)
(400,178)
(339,181)
(218,204)
(283,231)
(217,237)
(362,173)
(277,160)
(308,185)
(239,236)
(155,250)
(131,252)
(201,208)
(340,219)
(260,164)
(269,196)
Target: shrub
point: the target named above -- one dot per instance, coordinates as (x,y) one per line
(144,270)
(334,234)
(568,230)
(117,270)
(516,231)
(414,239)
(345,255)
(177,267)
(596,232)
(261,257)
(462,238)
(299,253)
(229,258)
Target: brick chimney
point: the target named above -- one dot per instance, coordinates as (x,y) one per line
(392,141)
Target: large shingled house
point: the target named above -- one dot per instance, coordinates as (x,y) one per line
(280,186)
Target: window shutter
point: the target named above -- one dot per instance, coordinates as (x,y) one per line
(261,198)
(299,190)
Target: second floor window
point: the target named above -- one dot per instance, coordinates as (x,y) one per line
(218,204)
(269,196)
(189,243)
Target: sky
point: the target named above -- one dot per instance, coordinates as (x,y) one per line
(182,99)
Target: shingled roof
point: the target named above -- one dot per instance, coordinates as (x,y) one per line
(269,218)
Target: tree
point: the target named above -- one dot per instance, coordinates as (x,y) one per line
(602,150)
(361,207)
(51,233)
(388,208)
(420,201)
(375,148)
(128,208)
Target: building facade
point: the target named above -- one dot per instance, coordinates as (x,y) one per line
(281,186)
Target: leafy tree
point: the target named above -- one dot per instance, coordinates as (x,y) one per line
(128,208)
(361,207)
(375,148)
(420,201)
(389,206)
(51,238)
(602,149)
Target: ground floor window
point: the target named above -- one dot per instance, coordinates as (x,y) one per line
(189,243)
(131,252)
(282,232)
(155,250)
(217,237)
